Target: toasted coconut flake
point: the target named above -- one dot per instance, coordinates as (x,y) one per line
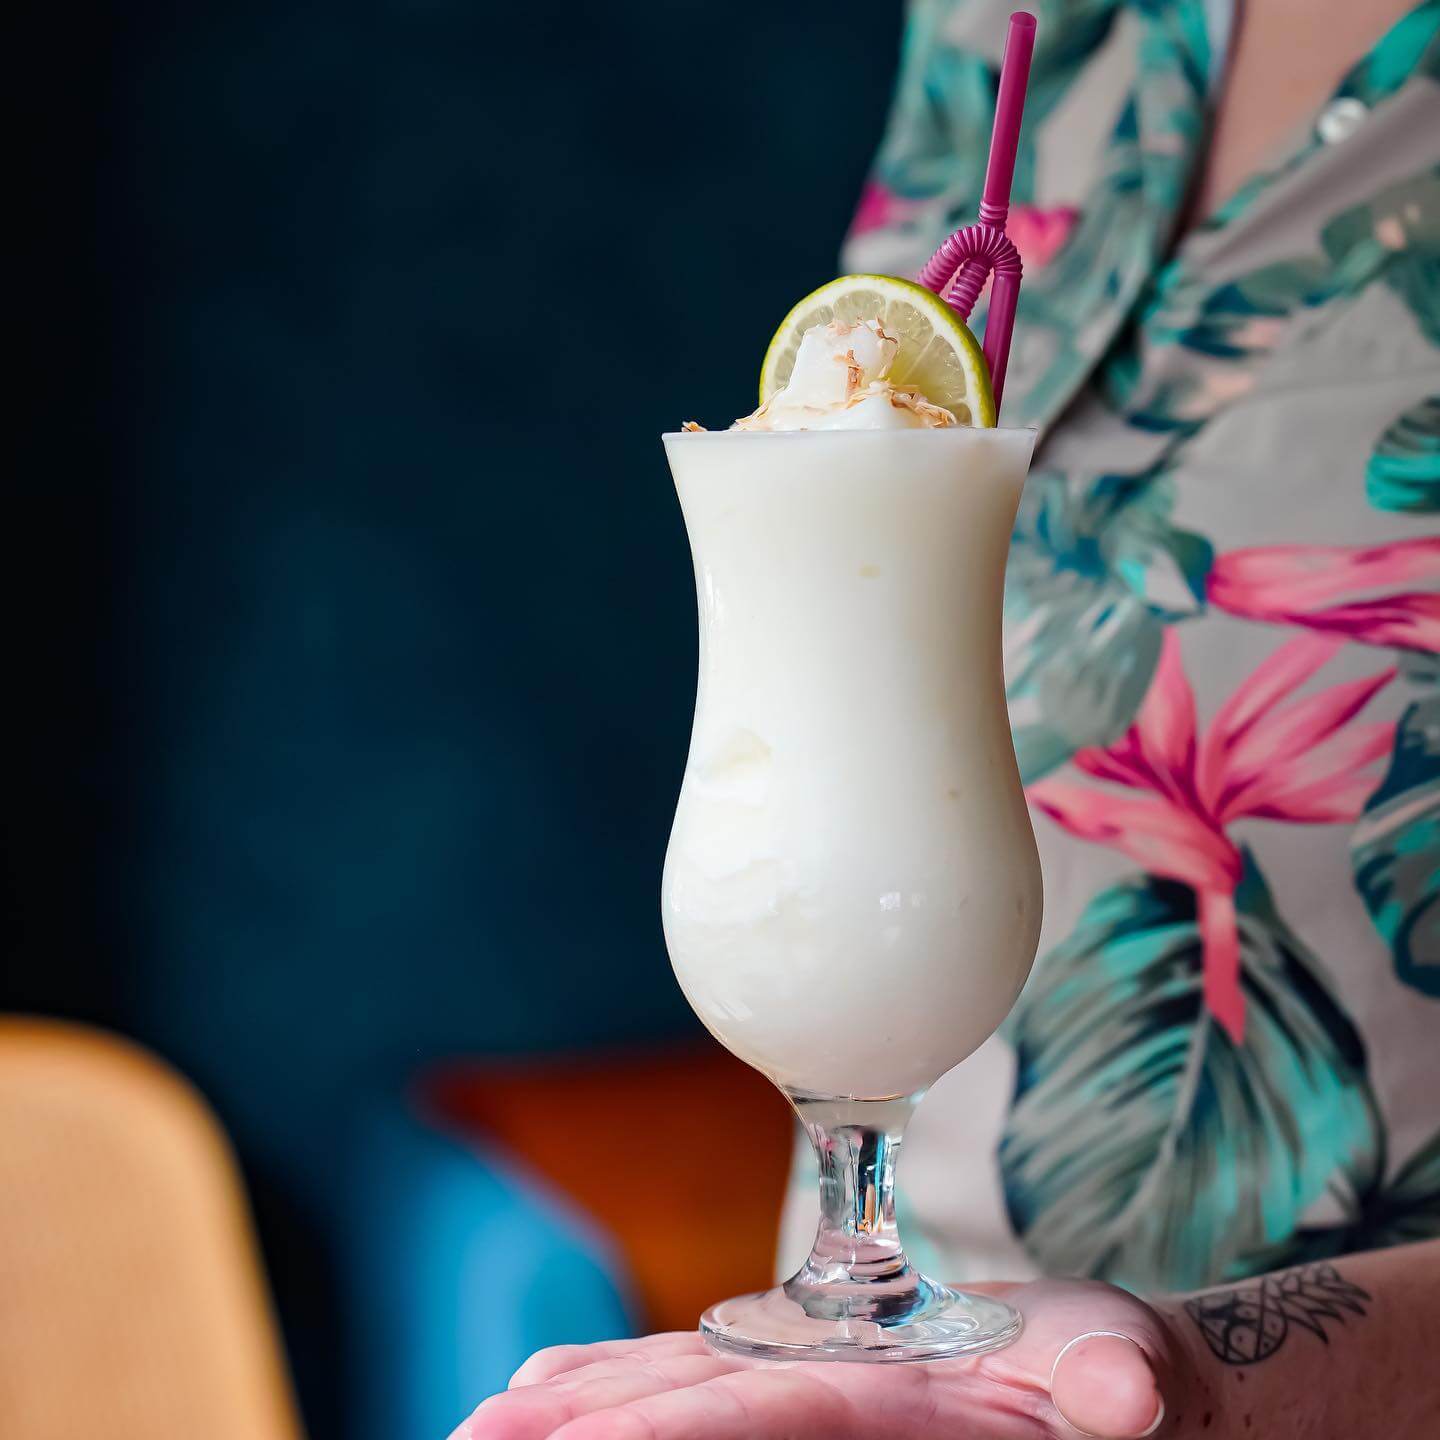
(935,416)
(854,372)
(752,420)
(694,427)
(859,387)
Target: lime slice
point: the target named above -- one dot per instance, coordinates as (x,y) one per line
(938,356)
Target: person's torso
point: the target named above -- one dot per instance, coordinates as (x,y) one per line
(1223,659)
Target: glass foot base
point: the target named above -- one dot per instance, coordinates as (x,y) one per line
(769,1325)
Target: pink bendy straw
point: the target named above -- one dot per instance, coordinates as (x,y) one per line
(957,270)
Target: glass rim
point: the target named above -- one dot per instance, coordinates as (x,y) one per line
(792,435)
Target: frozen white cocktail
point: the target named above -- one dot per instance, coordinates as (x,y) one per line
(851,895)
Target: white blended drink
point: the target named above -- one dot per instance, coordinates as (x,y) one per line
(851,895)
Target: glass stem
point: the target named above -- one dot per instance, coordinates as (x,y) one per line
(857,1267)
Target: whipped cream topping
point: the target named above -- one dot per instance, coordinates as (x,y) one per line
(841,382)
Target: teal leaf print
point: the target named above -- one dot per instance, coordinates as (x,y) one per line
(1081,301)
(1395,850)
(1145,1147)
(1086,657)
(1198,344)
(1096,572)
(1407,45)
(1399,1213)
(1419,667)
(1225,324)
(941,94)
(939,128)
(1394,237)
(1162,566)
(1409,1207)
(1404,470)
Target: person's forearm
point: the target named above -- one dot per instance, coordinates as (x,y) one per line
(1344,1347)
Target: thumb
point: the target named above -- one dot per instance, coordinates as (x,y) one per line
(1103,1384)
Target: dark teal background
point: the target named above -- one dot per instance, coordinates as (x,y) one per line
(352,614)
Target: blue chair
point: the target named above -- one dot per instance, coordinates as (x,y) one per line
(459,1266)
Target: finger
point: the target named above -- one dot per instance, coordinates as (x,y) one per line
(533,1412)
(1111,1389)
(1055,1312)
(1104,1384)
(546,1364)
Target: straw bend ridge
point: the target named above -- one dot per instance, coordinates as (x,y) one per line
(958,269)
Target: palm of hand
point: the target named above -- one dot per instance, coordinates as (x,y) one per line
(1091,1360)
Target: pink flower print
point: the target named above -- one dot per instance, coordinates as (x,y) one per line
(1333,588)
(1264,755)
(1040,235)
(880,208)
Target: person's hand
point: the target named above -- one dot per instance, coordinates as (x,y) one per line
(1091,1360)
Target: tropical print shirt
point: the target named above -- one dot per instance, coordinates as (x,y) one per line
(1222,654)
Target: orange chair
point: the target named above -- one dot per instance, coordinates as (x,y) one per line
(131,1299)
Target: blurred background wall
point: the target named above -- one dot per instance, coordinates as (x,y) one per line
(351,616)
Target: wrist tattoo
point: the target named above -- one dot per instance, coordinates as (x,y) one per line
(1247,1323)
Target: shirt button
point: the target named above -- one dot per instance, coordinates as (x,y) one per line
(1340,119)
